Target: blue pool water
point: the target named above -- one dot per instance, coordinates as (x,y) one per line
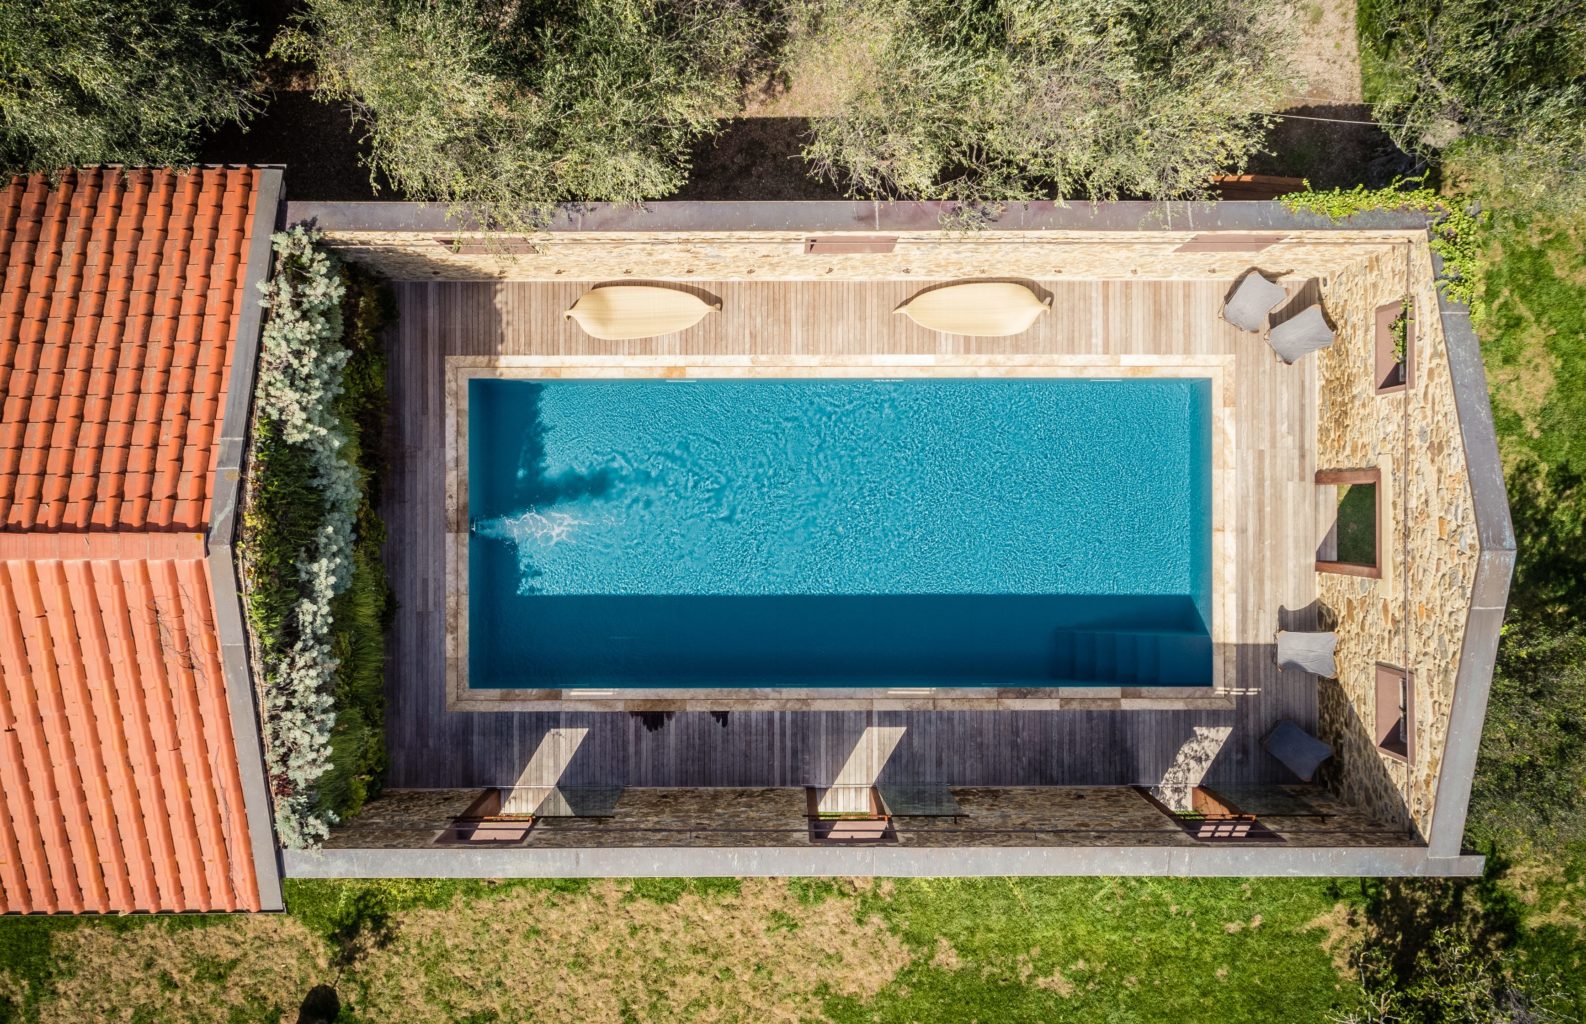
(760,533)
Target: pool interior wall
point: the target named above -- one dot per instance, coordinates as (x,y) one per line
(840,533)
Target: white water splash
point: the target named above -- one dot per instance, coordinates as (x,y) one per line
(532,528)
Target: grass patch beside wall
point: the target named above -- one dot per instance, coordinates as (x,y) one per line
(1530,788)
(1004,950)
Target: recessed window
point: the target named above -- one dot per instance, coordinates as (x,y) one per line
(1354,540)
(1395,728)
(837,245)
(494,246)
(1395,346)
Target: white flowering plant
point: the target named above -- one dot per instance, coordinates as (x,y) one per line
(305,489)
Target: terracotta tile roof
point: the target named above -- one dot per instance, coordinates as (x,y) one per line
(119,779)
(118,308)
(116,755)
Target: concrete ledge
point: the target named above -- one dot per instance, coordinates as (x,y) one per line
(1490,589)
(859,216)
(233,638)
(920,862)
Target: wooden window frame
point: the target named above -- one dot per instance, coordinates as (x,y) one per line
(1229,241)
(492,246)
(1395,691)
(840,245)
(1349,477)
(1382,358)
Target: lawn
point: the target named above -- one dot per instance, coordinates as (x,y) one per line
(882,950)
(700,950)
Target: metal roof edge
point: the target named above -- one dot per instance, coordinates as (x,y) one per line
(1490,589)
(229,624)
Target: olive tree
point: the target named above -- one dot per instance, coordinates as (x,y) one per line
(514,107)
(118,81)
(1496,89)
(1018,99)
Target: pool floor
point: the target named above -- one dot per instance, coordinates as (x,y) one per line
(842,533)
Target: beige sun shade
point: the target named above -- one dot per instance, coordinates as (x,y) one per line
(623,311)
(980,309)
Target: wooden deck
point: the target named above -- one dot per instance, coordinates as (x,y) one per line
(1277,524)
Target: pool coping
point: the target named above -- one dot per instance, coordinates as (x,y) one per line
(1218,696)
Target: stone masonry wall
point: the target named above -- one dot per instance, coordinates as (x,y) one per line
(417,256)
(1414,616)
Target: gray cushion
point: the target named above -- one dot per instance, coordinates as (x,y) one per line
(1308,652)
(1306,332)
(1298,751)
(1253,298)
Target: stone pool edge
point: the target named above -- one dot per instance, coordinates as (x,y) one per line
(459,370)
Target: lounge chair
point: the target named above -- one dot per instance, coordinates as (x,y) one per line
(1306,332)
(1308,652)
(978,309)
(1252,299)
(1296,749)
(625,311)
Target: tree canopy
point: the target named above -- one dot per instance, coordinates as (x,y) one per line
(117,81)
(1011,99)
(515,107)
(1498,89)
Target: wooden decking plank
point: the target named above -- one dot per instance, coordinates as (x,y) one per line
(1274,419)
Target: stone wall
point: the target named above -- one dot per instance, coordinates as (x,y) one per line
(764,255)
(1414,616)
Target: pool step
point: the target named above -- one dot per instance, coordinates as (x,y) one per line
(1124,658)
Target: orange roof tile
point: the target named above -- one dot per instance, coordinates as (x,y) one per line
(117,285)
(119,778)
(121,789)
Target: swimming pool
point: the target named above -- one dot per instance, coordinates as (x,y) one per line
(838,533)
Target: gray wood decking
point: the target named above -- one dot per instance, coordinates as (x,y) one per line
(1278,525)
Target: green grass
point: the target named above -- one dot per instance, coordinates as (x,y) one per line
(1530,786)
(1380,76)
(1000,950)
(1533,328)
(1040,950)
(1357,524)
(1005,950)
(31,964)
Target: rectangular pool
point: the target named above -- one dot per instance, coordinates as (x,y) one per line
(839,533)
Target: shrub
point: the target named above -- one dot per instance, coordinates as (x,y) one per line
(1016,99)
(317,596)
(514,108)
(1457,228)
(1437,951)
(118,81)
